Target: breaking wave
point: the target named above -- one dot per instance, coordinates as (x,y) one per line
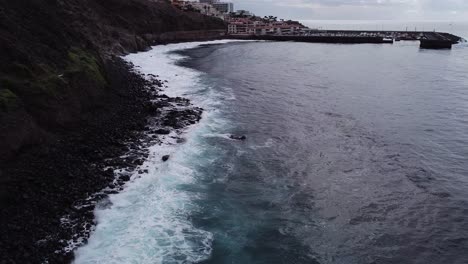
(149,221)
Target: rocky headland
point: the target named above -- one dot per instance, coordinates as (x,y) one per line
(72,111)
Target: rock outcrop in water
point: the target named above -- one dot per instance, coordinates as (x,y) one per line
(67,104)
(237,137)
(165,158)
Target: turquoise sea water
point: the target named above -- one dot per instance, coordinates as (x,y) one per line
(354,154)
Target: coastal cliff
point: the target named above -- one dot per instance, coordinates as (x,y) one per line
(53,54)
(67,102)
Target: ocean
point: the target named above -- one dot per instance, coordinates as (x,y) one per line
(353,154)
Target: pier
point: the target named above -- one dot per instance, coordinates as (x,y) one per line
(428,39)
(438,41)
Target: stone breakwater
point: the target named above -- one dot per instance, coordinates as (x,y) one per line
(430,40)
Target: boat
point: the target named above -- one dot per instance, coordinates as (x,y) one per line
(387,40)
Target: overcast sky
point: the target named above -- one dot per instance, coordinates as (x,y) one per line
(359,9)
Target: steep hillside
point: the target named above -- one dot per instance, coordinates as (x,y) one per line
(53,51)
(67,102)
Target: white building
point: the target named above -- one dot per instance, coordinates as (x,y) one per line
(206,9)
(223,7)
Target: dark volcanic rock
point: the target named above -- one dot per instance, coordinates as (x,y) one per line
(162,131)
(54,55)
(181,140)
(138,162)
(67,106)
(41,183)
(125,178)
(153,109)
(180,118)
(235,137)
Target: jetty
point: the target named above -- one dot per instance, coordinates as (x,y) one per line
(438,41)
(428,39)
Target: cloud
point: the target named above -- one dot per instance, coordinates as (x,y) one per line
(443,5)
(359,9)
(341,3)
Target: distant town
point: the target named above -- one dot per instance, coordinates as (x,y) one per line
(245,25)
(242,22)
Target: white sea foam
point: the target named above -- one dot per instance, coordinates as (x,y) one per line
(148,222)
(268,144)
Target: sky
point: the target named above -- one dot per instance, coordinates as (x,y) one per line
(448,10)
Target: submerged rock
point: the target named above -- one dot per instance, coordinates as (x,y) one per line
(124,178)
(165,158)
(105,203)
(237,137)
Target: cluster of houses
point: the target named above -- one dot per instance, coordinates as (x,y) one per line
(252,25)
(214,8)
(241,22)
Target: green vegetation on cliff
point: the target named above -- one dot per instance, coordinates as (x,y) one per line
(7,99)
(84,62)
(44,83)
(66,103)
(54,53)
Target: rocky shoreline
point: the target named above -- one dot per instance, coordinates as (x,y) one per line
(72,175)
(73,113)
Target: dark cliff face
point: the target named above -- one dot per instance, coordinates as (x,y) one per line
(53,53)
(66,104)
